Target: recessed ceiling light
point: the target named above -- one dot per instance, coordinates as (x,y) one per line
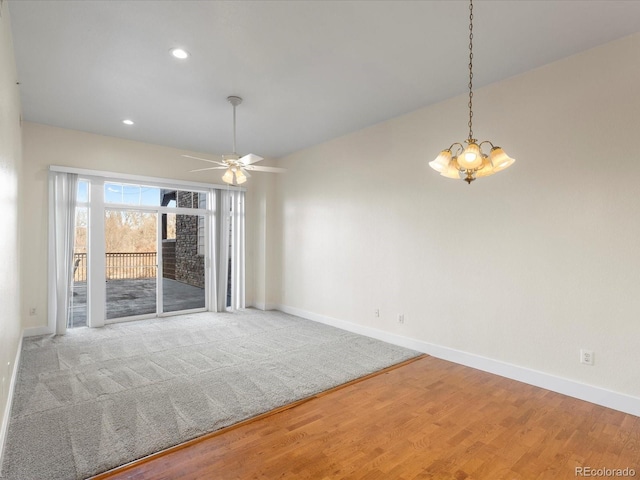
(127,122)
(179,53)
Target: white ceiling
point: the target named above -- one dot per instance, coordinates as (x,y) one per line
(307,70)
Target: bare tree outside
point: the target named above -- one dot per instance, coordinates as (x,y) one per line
(129,231)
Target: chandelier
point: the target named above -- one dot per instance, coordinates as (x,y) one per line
(470,162)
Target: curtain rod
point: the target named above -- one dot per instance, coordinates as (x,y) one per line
(85,172)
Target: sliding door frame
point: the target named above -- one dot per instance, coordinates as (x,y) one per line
(159,211)
(96,271)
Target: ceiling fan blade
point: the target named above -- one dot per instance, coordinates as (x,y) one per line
(208,168)
(204,159)
(250,158)
(265,169)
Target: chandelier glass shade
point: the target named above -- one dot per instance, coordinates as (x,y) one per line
(470,162)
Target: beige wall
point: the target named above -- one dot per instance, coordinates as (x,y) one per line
(256,243)
(44,146)
(10,165)
(525,267)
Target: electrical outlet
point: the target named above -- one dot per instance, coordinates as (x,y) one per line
(400,318)
(586,356)
(32,311)
(376,312)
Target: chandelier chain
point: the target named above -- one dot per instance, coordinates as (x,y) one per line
(471,70)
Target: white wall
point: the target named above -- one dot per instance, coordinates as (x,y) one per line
(525,267)
(45,145)
(10,165)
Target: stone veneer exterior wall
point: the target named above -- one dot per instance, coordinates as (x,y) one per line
(189,265)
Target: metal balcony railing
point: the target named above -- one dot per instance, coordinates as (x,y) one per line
(126,265)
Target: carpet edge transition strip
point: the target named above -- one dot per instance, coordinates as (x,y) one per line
(154,456)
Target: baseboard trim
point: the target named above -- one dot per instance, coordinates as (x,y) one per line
(597,395)
(36,331)
(4,428)
(264,306)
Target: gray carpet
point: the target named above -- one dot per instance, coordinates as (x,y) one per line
(98,398)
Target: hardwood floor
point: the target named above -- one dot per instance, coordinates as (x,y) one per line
(426,419)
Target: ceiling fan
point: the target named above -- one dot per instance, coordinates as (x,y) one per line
(236,166)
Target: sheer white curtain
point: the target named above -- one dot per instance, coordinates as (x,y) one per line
(228,249)
(63,189)
(237,241)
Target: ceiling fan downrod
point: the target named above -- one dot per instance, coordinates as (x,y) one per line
(235,101)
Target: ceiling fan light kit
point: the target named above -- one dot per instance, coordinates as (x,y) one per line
(470,162)
(234,174)
(234,165)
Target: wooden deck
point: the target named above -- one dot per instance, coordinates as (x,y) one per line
(427,419)
(126,298)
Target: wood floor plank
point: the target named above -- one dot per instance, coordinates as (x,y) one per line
(427,419)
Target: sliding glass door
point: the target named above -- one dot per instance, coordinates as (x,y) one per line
(183,263)
(155,254)
(131,263)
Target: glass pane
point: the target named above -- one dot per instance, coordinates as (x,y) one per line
(112,193)
(132,194)
(171,226)
(183,199)
(190,199)
(129,194)
(131,262)
(78,310)
(83,191)
(183,266)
